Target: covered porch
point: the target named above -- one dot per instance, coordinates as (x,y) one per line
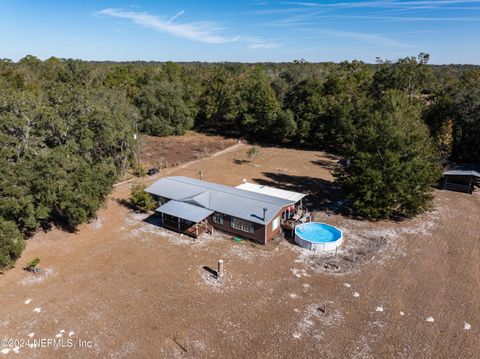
(185,218)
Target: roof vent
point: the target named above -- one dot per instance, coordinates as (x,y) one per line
(264,213)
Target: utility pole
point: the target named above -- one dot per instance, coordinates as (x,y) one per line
(136,137)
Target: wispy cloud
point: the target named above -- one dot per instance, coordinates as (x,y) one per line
(264,45)
(376,39)
(197,31)
(302,13)
(206,32)
(385,3)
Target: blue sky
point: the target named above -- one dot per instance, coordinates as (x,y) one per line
(251,30)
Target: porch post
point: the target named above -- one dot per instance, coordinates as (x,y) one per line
(196,229)
(178,222)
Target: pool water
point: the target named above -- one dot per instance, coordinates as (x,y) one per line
(318,232)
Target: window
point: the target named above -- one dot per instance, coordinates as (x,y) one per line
(275,223)
(218,218)
(242,225)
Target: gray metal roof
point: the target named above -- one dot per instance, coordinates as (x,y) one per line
(216,197)
(461,173)
(184,210)
(463,169)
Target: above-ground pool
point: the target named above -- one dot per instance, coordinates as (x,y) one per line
(318,237)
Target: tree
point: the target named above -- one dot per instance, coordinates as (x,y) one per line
(393,162)
(410,74)
(163,111)
(218,104)
(258,109)
(466,132)
(11,243)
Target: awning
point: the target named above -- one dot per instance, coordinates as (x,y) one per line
(184,210)
(272,191)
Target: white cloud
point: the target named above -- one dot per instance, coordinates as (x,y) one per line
(176,16)
(197,31)
(206,32)
(264,45)
(386,4)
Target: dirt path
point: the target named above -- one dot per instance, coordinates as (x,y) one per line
(137,291)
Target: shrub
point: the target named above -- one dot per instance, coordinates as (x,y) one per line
(11,243)
(253,152)
(140,171)
(142,200)
(32,265)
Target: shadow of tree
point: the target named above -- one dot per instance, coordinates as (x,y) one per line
(322,195)
(240,162)
(127,204)
(153,218)
(329,165)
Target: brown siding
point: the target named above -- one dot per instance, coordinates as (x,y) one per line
(270,233)
(258,234)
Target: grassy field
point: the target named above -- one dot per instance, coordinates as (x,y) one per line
(406,289)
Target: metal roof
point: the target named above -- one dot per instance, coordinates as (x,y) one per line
(272,191)
(184,210)
(463,169)
(216,197)
(461,173)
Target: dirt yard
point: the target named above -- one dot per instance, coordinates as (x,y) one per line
(130,289)
(171,151)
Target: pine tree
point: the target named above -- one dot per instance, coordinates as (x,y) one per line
(393,162)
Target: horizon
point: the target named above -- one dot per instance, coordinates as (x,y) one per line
(231,62)
(247,32)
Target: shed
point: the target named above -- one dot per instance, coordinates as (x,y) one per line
(461,178)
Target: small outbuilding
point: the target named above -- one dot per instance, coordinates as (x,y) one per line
(461,178)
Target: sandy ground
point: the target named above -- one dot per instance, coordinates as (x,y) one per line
(130,289)
(170,151)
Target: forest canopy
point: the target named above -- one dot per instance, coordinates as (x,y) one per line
(66,127)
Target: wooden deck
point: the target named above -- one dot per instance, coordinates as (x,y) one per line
(290,224)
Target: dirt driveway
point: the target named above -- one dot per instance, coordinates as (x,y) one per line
(127,289)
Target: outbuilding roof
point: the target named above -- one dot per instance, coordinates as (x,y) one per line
(466,169)
(219,198)
(272,191)
(184,210)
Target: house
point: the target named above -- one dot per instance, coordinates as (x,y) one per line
(193,206)
(461,178)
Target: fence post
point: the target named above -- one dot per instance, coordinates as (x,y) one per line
(220,268)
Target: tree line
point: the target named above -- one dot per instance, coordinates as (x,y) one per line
(66,127)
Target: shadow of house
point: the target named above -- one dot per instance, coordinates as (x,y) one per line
(323,195)
(154,219)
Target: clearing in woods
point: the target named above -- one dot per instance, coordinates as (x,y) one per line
(407,289)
